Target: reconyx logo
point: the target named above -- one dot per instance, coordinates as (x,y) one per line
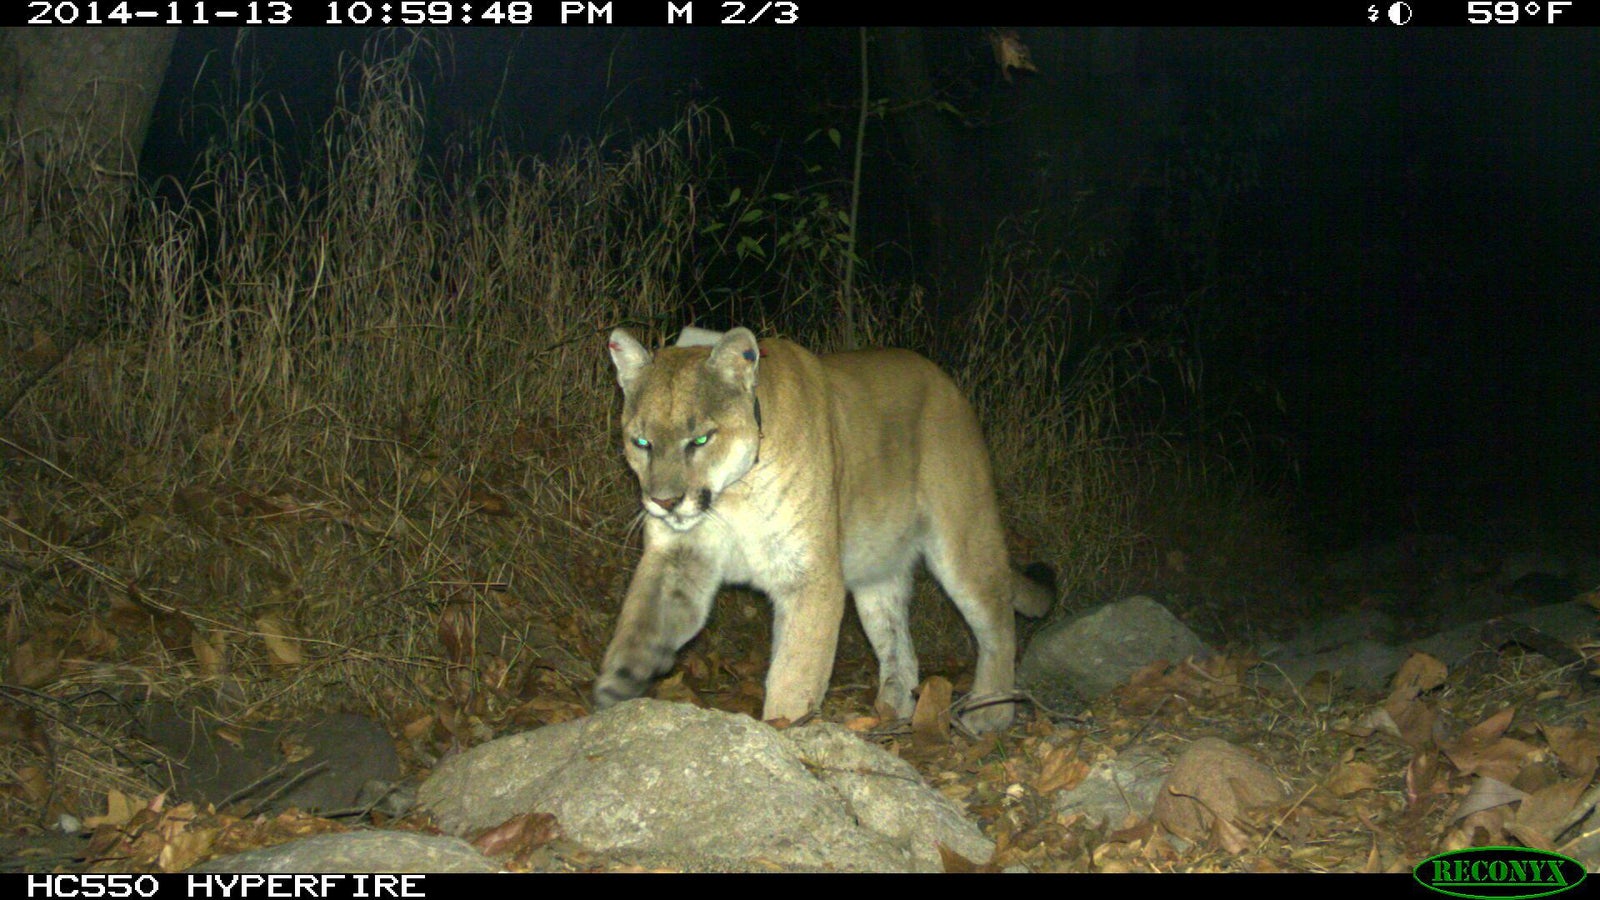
(1499,873)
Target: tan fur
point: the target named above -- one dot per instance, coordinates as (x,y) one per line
(862,463)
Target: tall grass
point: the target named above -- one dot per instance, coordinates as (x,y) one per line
(335,408)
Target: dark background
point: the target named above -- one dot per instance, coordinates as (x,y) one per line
(1393,230)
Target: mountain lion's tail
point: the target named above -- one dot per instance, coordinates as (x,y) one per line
(1033,590)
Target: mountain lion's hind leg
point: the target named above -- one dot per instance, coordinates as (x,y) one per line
(882,610)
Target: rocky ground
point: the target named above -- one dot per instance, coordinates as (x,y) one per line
(1412,700)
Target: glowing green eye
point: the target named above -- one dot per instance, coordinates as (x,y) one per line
(701,441)
(641,443)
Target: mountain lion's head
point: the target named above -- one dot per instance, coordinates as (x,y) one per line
(690,421)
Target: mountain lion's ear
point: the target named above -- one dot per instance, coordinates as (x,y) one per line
(629,356)
(735,358)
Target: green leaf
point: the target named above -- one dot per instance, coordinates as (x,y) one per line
(833,135)
(749,246)
(733,197)
(751,215)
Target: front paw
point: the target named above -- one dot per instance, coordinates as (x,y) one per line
(619,684)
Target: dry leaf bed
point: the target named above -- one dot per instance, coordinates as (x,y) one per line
(1503,754)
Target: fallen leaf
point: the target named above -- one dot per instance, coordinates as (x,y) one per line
(1419,674)
(1152,686)
(120,809)
(1351,777)
(1487,793)
(186,848)
(930,721)
(1228,835)
(488,503)
(418,727)
(518,835)
(674,688)
(283,649)
(1060,769)
(208,652)
(1374,721)
(549,710)
(1547,810)
(1374,863)
(1425,778)
(1484,828)
(955,863)
(458,630)
(1411,720)
(1577,748)
(1484,750)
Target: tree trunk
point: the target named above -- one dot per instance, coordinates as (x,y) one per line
(74,107)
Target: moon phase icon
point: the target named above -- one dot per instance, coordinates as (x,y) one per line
(1400,12)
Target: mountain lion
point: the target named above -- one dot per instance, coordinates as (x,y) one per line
(806,477)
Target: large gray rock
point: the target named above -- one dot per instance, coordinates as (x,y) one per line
(1363,665)
(653,777)
(1558,619)
(1091,654)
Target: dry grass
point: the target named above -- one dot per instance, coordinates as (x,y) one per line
(351,445)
